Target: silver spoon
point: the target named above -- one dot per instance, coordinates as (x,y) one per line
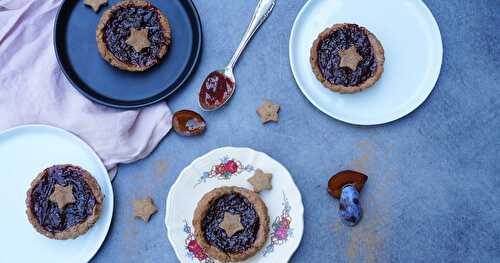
(220,85)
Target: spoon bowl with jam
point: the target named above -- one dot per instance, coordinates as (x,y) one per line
(217,89)
(220,85)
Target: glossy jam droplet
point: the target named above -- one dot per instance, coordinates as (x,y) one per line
(215,90)
(350,208)
(188,123)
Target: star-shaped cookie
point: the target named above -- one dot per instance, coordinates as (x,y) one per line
(62,196)
(261,181)
(144,208)
(138,39)
(268,111)
(95,4)
(231,224)
(350,58)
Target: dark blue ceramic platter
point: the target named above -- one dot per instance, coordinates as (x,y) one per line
(76,50)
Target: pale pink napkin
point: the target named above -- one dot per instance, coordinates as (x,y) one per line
(34,90)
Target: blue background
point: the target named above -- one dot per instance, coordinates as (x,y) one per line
(432,193)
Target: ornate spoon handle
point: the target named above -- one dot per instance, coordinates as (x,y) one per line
(262,11)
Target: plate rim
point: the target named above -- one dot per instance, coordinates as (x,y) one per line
(412,106)
(135,104)
(71,136)
(211,152)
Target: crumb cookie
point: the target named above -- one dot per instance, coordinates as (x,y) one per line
(231,223)
(347,58)
(261,181)
(144,208)
(64,202)
(133,35)
(268,112)
(95,4)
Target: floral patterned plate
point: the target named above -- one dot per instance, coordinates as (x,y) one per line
(230,166)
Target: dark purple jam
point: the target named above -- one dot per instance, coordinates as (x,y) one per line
(235,204)
(117,30)
(48,214)
(343,39)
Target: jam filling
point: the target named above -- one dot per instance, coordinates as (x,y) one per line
(117,30)
(48,214)
(236,204)
(215,90)
(329,58)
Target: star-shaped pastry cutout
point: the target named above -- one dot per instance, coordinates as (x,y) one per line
(138,39)
(144,208)
(261,181)
(62,196)
(350,58)
(95,4)
(268,111)
(231,224)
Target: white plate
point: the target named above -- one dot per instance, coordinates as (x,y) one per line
(413,53)
(24,152)
(283,202)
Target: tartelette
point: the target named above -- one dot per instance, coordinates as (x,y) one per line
(133,35)
(64,202)
(347,58)
(231,223)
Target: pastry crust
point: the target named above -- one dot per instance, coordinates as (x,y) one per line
(379,58)
(202,208)
(79,229)
(108,55)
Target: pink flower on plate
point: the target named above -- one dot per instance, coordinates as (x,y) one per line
(231,167)
(282,233)
(196,249)
(220,169)
(285,222)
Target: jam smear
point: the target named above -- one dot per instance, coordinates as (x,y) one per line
(215,90)
(236,204)
(117,30)
(343,39)
(48,214)
(188,123)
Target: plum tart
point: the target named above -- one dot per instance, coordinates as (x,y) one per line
(347,58)
(231,223)
(133,35)
(64,202)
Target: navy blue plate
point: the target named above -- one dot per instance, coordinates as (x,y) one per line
(76,51)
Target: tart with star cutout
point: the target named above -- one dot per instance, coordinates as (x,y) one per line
(231,223)
(64,202)
(133,35)
(347,58)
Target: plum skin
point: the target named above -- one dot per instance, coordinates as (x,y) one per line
(350,210)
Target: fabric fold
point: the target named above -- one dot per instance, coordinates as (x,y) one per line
(34,90)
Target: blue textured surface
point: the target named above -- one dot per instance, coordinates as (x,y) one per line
(432,193)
